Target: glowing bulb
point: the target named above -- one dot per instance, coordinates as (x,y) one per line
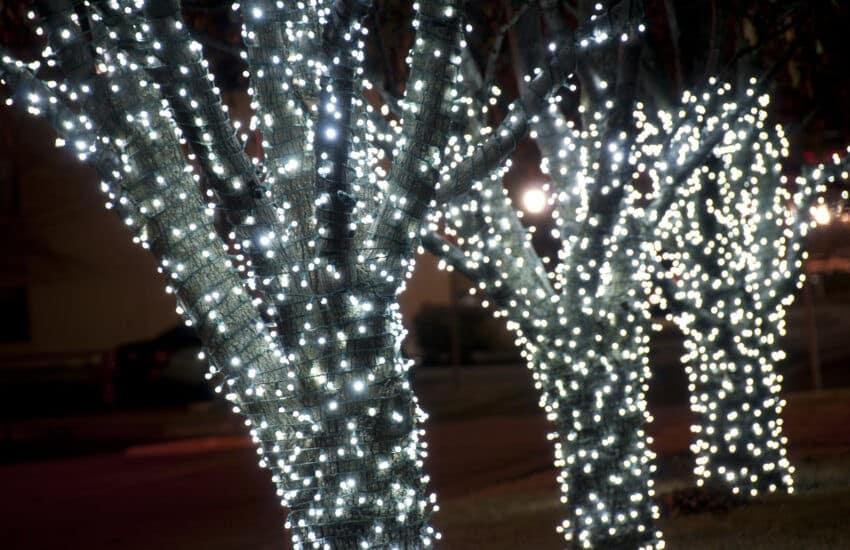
(821,214)
(534,200)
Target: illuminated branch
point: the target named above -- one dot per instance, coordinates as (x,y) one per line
(433,69)
(39,98)
(837,170)
(344,13)
(173,224)
(732,241)
(555,137)
(608,199)
(452,255)
(279,45)
(253,222)
(712,130)
(197,107)
(490,154)
(718,127)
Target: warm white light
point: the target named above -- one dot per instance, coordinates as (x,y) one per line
(534,200)
(821,214)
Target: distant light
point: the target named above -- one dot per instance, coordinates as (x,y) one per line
(821,214)
(534,200)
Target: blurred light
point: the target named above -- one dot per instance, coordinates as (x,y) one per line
(821,214)
(534,200)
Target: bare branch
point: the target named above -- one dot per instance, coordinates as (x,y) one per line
(675,34)
(496,47)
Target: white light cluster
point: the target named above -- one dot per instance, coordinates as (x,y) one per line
(289,265)
(731,251)
(835,175)
(584,327)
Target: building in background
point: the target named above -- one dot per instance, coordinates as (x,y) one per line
(73,286)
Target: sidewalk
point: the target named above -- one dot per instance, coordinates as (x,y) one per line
(85,434)
(493,475)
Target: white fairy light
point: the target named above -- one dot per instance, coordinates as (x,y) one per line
(588,356)
(295,299)
(733,243)
(323,386)
(584,329)
(821,214)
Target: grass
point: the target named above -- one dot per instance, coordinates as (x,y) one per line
(523,513)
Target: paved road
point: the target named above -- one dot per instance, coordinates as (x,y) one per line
(207,493)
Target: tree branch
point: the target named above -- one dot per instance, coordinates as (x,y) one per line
(334,199)
(426,125)
(452,254)
(283,87)
(198,111)
(487,156)
(496,47)
(130,124)
(656,209)
(31,91)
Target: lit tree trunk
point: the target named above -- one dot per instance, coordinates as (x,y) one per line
(289,266)
(597,404)
(734,391)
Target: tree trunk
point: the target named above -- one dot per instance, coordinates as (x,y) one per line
(364,454)
(595,397)
(734,391)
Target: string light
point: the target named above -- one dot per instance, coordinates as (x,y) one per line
(287,265)
(731,245)
(583,328)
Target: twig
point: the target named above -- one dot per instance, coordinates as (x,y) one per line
(496,48)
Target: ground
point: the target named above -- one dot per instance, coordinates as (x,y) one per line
(186,479)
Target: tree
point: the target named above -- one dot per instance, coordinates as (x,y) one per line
(306,340)
(632,218)
(734,246)
(287,266)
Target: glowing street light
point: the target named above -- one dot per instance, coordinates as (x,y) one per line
(534,200)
